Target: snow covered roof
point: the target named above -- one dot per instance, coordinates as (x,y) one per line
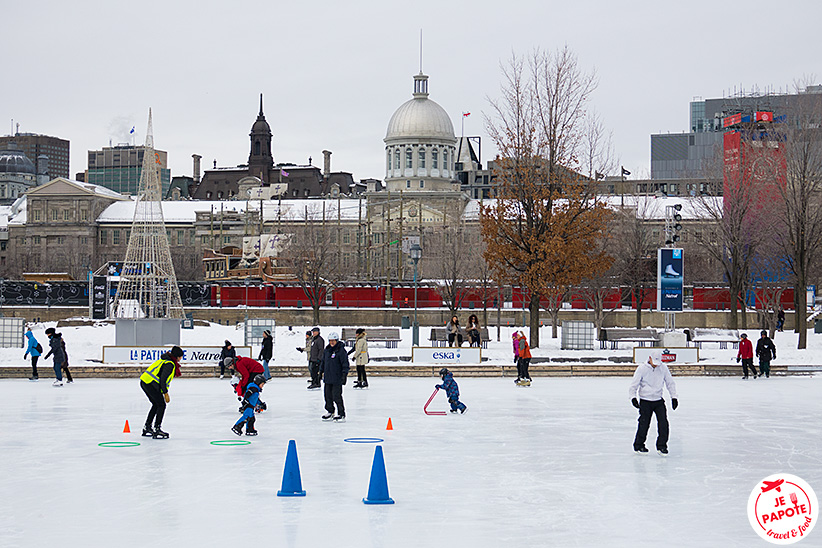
(185,211)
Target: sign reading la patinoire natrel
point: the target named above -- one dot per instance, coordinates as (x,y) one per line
(148,354)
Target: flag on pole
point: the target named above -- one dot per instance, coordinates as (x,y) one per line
(466,114)
(132,129)
(625,171)
(284,172)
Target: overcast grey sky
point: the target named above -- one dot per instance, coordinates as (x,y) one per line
(332,73)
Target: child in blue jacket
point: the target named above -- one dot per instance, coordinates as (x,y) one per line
(34,350)
(451,390)
(251,400)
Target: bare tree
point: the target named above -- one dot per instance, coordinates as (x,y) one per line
(312,257)
(452,265)
(634,251)
(799,230)
(539,233)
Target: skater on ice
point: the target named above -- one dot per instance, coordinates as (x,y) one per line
(334,371)
(34,350)
(766,351)
(746,355)
(647,383)
(56,349)
(360,352)
(452,390)
(266,352)
(315,356)
(251,402)
(155,382)
(524,377)
(243,371)
(307,351)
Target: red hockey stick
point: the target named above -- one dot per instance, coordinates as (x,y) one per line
(425,407)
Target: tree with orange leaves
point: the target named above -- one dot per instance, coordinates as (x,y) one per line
(542,231)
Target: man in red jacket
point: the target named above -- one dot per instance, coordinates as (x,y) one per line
(247,369)
(746,355)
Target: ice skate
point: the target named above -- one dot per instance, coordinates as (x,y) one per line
(57,383)
(455,411)
(237,429)
(313,386)
(34,379)
(328,416)
(670,272)
(641,450)
(463,410)
(663,452)
(339,418)
(250,432)
(357,384)
(364,385)
(524,382)
(159,434)
(148,432)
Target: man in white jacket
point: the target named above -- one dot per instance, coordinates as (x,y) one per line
(647,383)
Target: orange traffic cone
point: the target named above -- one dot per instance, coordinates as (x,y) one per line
(126,430)
(389,426)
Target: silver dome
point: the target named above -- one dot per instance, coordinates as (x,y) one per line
(420,118)
(14,161)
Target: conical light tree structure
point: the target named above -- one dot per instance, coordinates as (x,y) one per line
(148,285)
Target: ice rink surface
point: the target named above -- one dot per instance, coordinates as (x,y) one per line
(549,465)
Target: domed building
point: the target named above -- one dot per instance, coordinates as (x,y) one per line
(420,145)
(17,174)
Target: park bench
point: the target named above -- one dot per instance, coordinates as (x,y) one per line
(390,336)
(699,335)
(439,337)
(616,335)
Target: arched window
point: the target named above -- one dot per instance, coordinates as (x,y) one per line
(397,159)
(256,148)
(435,158)
(389,160)
(421,159)
(445,159)
(408,158)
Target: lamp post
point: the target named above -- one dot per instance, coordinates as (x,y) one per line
(416,253)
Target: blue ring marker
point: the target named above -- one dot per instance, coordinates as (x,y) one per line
(364,440)
(230,442)
(119,444)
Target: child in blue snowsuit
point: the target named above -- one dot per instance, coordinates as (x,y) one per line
(451,390)
(251,399)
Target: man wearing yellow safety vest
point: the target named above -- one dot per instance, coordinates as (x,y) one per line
(155,382)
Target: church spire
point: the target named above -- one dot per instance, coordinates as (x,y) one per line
(261,106)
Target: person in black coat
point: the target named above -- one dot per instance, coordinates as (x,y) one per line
(228,351)
(766,350)
(334,370)
(56,350)
(266,352)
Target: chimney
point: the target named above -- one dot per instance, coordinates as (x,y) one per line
(196,172)
(42,169)
(326,163)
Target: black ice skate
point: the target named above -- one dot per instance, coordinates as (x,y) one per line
(148,432)
(237,429)
(250,432)
(463,410)
(663,451)
(339,418)
(641,450)
(159,434)
(328,416)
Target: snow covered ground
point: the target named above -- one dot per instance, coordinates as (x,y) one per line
(549,465)
(85,344)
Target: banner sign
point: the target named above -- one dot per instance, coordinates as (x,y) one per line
(669,280)
(446,356)
(668,356)
(99,299)
(149,354)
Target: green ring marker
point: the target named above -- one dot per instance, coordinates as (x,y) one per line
(230,442)
(119,444)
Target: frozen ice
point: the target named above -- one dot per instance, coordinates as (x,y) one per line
(549,465)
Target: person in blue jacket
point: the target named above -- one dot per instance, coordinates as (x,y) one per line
(34,350)
(334,372)
(251,399)
(452,390)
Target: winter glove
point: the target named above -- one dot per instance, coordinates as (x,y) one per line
(25,355)
(166,397)
(345,379)
(674,403)
(738,359)
(299,349)
(635,403)
(235,380)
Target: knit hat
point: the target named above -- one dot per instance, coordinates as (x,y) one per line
(334,336)
(177,352)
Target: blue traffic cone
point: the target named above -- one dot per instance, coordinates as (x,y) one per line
(292,485)
(378,486)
